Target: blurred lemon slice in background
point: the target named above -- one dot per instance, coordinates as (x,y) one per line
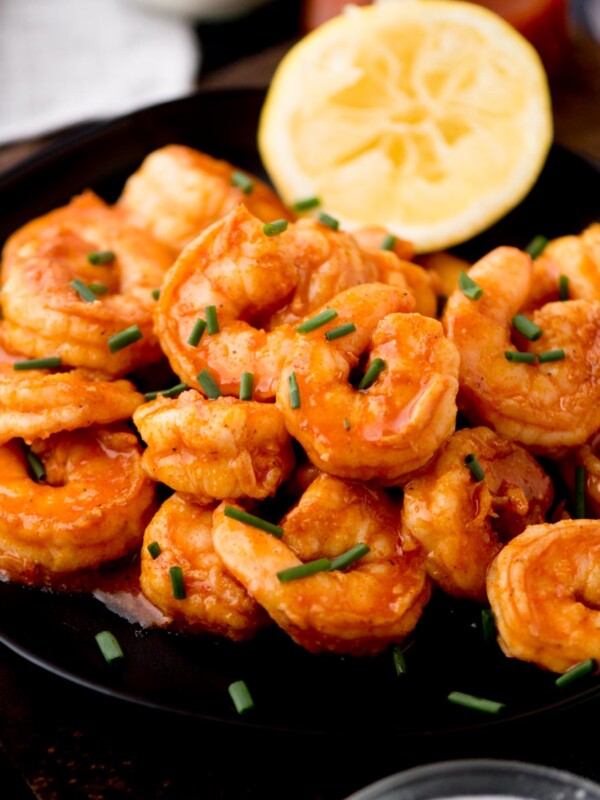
(431,118)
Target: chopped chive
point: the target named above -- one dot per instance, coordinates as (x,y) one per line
(177,584)
(488,625)
(304,570)
(350,556)
(478,703)
(197,331)
(294,391)
(207,382)
(528,328)
(172,392)
(326,219)
(399,660)
(563,287)
(306,204)
(341,330)
(575,673)
(316,321)
(551,355)
(346,424)
(242,699)
(242,182)
(246,386)
(154,549)
(536,246)
(39,363)
(475,467)
(155,293)
(101,257)
(389,242)
(275,227)
(109,647)
(124,338)
(371,375)
(522,358)
(255,522)
(212,320)
(580,481)
(83,291)
(98,288)
(468,286)
(36,466)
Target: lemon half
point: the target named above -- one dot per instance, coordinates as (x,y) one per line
(431,118)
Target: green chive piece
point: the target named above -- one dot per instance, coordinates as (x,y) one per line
(316,321)
(346,424)
(326,219)
(563,287)
(575,673)
(154,549)
(475,467)
(246,386)
(551,355)
(124,338)
(174,391)
(304,570)
(197,331)
(275,227)
(389,242)
(522,358)
(307,204)
(468,286)
(212,321)
(341,330)
(242,182)
(39,363)
(350,556)
(528,328)
(371,375)
(206,381)
(478,703)
(488,625)
(36,466)
(177,584)
(536,246)
(294,391)
(109,647)
(255,522)
(101,257)
(580,481)
(155,293)
(242,699)
(98,288)
(399,660)
(83,291)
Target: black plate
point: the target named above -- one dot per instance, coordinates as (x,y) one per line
(292,689)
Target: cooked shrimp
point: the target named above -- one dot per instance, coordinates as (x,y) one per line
(44,315)
(588,457)
(178,192)
(92,507)
(547,407)
(544,589)
(390,429)
(577,257)
(215,602)
(215,448)
(461,522)
(373,238)
(376,601)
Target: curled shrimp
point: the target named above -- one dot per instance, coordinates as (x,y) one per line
(177,192)
(215,448)
(390,429)
(549,406)
(544,591)
(376,601)
(215,602)
(586,457)
(576,257)
(92,506)
(44,314)
(462,522)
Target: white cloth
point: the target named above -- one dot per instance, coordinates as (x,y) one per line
(69,61)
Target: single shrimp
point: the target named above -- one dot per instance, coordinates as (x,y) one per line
(392,428)
(178,192)
(92,506)
(586,457)
(576,257)
(376,601)
(547,407)
(215,448)
(45,315)
(463,522)
(214,602)
(544,589)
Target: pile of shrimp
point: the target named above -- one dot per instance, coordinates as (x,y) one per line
(282,380)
